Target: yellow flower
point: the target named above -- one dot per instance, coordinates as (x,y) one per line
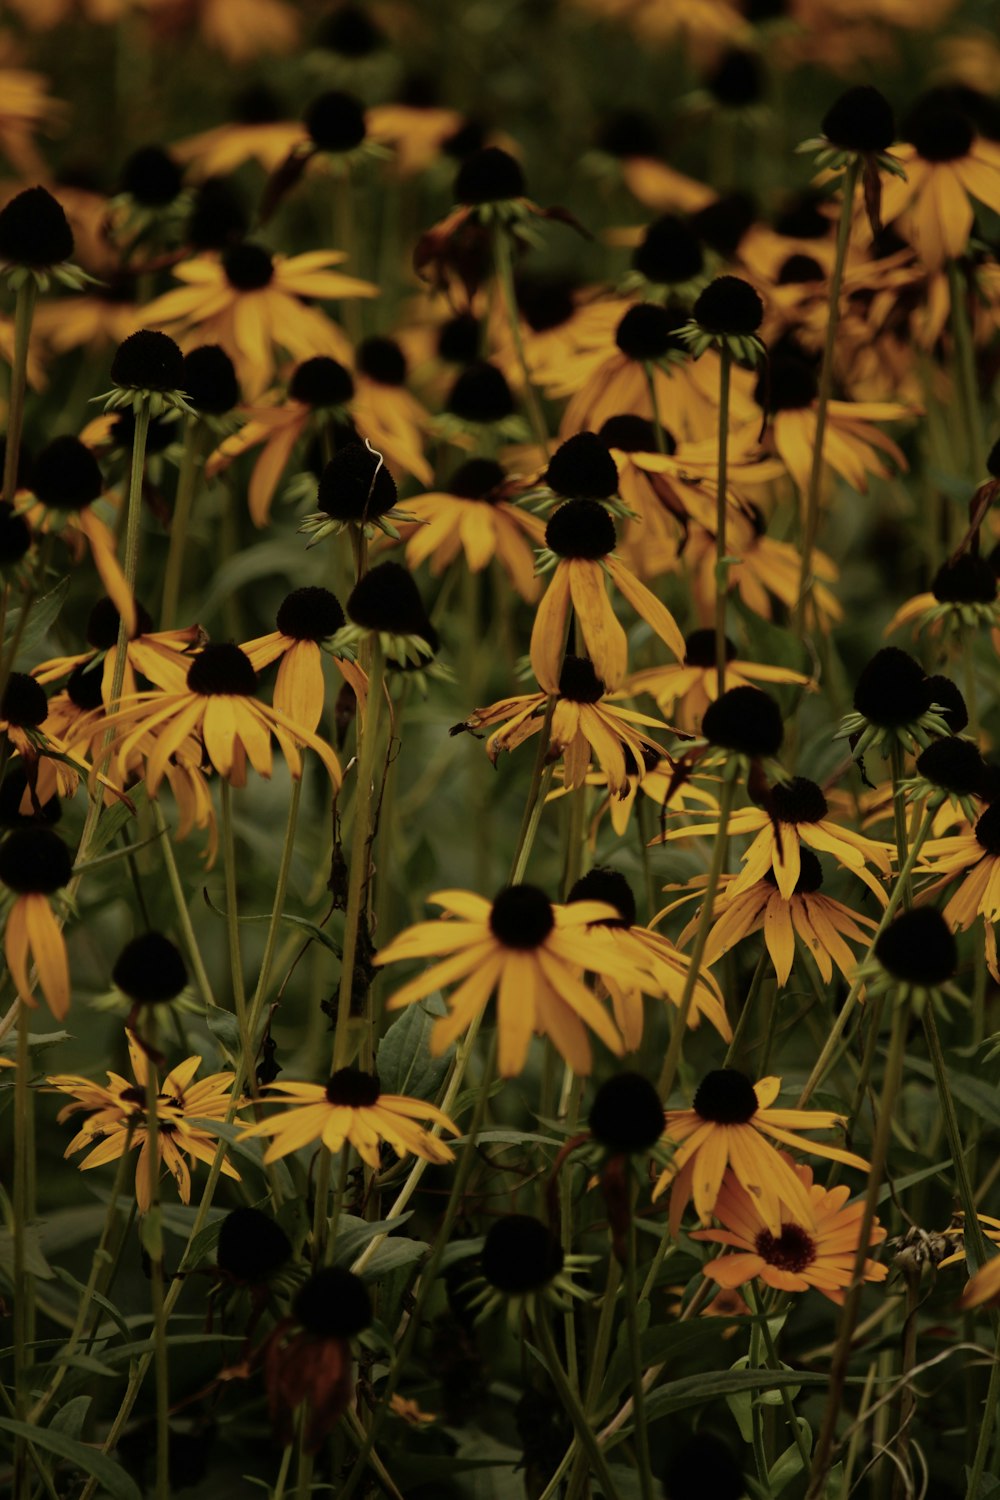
(251,303)
(684,691)
(351,1109)
(532,953)
(819,1253)
(34,865)
(727,1125)
(659,780)
(583,723)
(976,857)
(117,1119)
(160,655)
(946,165)
(306,618)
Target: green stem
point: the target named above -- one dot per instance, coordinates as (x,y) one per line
(967,379)
(899,820)
(973,1228)
(277,908)
(187,480)
(24,311)
(505,275)
(849,1316)
(670,1062)
(233,933)
(811,523)
(786,1396)
(635,1359)
(978,1467)
(535,801)
(571,1404)
(152,1239)
(721,508)
(847,1009)
(23,1282)
(131,560)
(757,979)
(360,858)
(181,908)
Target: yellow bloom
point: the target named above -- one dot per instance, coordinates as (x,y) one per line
(684,691)
(946,165)
(34,865)
(306,618)
(351,1109)
(975,857)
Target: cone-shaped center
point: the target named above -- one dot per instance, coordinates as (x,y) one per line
(582,468)
(797,801)
(699,649)
(953,764)
(353,1088)
(581,528)
(481,394)
(476,479)
(252,1246)
(647,332)
(24,703)
(35,861)
(918,947)
(726,1097)
(810,874)
(333,1304)
(521,1255)
(578,681)
(248,267)
(65,475)
(335,121)
(150,969)
(626,1114)
(220,670)
(988,830)
(793,1250)
(382,360)
(310,614)
(602,884)
(744,719)
(892,689)
(522,917)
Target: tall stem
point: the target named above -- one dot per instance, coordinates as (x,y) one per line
(24,1286)
(187,482)
(721,508)
(571,1404)
(849,1316)
(181,907)
(233,932)
(24,311)
(635,1359)
(811,523)
(670,1062)
(505,275)
(968,382)
(131,560)
(152,1240)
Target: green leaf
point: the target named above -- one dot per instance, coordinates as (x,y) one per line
(251,1151)
(785,1468)
(975,1093)
(353,1234)
(393,1254)
(34,1260)
(694,1390)
(114,819)
(404,1062)
(69,1419)
(42,615)
(117,1317)
(661,1345)
(226,1029)
(114,1479)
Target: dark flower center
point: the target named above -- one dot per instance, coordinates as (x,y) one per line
(581,528)
(458,340)
(988,830)
(610,886)
(151,177)
(84,687)
(35,861)
(310,614)
(799,268)
(65,475)
(102,626)
(333,1304)
(222,670)
(726,1097)
(489,176)
(578,681)
(918,947)
(794,1249)
(721,225)
(321,382)
(546,303)
(892,689)
(670,252)
(802,219)
(34,230)
(387,599)
(522,917)
(252,1246)
(631,434)
(729,305)
(744,719)
(356,485)
(954,765)
(335,122)
(476,479)
(350,32)
(968,580)
(699,649)
(382,360)
(647,332)
(860,120)
(941,134)
(797,801)
(737,80)
(150,969)
(943,692)
(481,394)
(582,468)
(628,132)
(626,1114)
(24,703)
(209,380)
(218,216)
(353,1088)
(787,383)
(810,874)
(521,1255)
(15,535)
(148,361)
(248,266)
(12,791)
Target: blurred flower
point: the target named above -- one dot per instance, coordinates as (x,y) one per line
(684,691)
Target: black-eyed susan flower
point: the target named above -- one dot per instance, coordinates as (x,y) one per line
(65,485)
(356,493)
(252,1247)
(385,604)
(793,813)
(529,951)
(895,702)
(947,164)
(683,692)
(472,514)
(951,779)
(583,723)
(351,1109)
(521,1262)
(36,242)
(117,1119)
(659,781)
(823,926)
(973,859)
(149,971)
(962,597)
(146,375)
(914,960)
(35,864)
(307,618)
(580,539)
(308,1360)
(385,411)
(160,655)
(251,303)
(732,1122)
(650,950)
(217,703)
(819,1252)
